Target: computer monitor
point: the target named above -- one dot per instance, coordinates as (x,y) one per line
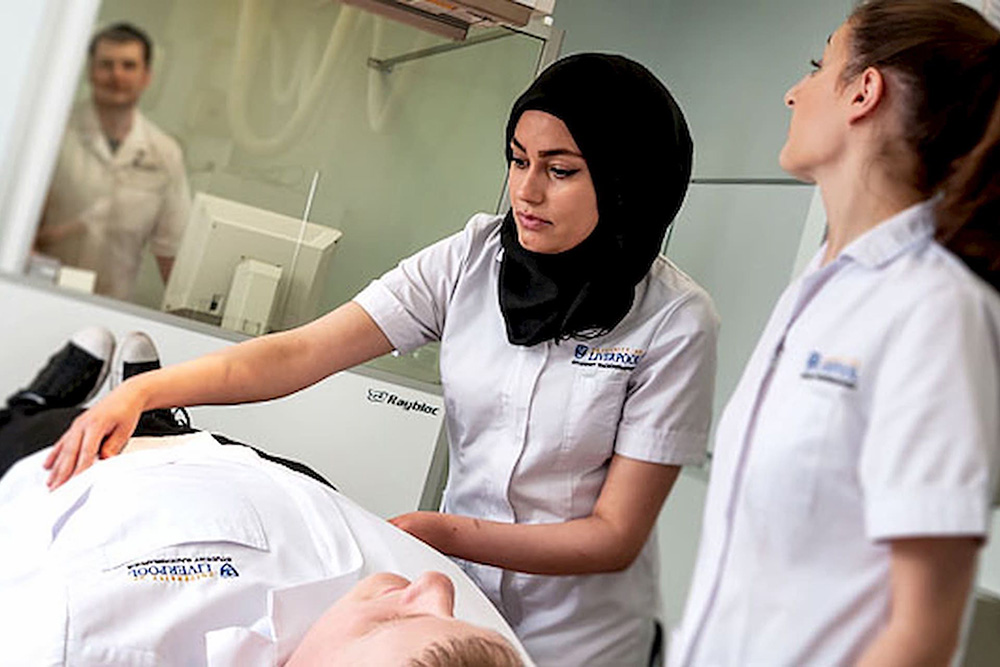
(221,234)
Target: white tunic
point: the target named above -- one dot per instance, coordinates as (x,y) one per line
(867,412)
(126,199)
(532,429)
(188,555)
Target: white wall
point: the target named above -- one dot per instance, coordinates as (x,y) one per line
(728,62)
(740,243)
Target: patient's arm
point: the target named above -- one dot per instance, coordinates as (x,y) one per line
(256,370)
(607,540)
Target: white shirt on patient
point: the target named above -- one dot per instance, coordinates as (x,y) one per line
(214,556)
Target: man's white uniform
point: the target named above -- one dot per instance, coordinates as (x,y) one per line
(192,554)
(867,412)
(124,200)
(532,429)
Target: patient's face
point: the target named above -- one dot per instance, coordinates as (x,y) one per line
(385,620)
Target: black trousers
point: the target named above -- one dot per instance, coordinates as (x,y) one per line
(26,429)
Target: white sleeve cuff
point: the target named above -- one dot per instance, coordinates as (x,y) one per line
(671,447)
(926,511)
(399,327)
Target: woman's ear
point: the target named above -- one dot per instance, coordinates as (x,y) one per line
(866,92)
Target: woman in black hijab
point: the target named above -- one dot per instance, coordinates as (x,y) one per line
(601,357)
(636,144)
(577,365)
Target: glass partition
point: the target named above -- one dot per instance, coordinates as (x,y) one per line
(295,110)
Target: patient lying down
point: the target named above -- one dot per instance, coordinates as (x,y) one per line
(187,551)
(386,620)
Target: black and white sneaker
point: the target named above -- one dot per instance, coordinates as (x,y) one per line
(137,354)
(73,375)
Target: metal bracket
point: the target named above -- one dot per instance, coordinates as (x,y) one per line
(386,65)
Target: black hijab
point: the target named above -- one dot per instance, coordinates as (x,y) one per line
(638,150)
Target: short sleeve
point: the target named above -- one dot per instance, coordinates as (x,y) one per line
(174,209)
(668,408)
(931,449)
(410,302)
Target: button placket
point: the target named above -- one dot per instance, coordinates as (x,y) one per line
(527,370)
(809,287)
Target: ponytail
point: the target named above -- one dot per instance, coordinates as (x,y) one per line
(968,212)
(946,58)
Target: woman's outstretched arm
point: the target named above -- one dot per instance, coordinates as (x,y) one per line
(256,370)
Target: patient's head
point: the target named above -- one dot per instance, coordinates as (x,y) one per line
(386,620)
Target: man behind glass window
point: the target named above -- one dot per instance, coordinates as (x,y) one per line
(119,182)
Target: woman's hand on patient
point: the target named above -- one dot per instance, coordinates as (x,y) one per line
(434,528)
(103,431)
(607,540)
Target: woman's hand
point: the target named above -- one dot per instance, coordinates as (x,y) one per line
(434,528)
(101,431)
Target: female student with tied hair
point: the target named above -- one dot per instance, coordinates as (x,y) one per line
(854,464)
(577,365)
